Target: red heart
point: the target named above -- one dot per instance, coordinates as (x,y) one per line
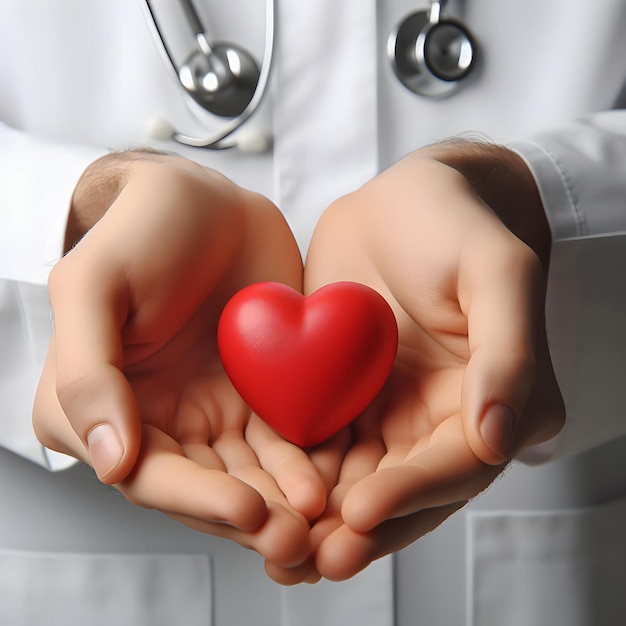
(307,365)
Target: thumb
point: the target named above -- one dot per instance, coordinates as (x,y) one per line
(492,404)
(505,312)
(102,411)
(92,390)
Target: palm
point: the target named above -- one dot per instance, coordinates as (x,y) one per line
(179,376)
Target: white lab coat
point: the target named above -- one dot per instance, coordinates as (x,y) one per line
(542,546)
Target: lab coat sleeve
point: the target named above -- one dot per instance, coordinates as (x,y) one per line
(580,170)
(36,184)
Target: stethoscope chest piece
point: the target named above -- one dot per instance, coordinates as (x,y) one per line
(431,56)
(221,77)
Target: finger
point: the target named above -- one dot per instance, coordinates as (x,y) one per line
(290,467)
(283,538)
(331,518)
(329,455)
(360,461)
(204,456)
(164,479)
(501,291)
(366,451)
(545,410)
(89,301)
(345,553)
(446,472)
(234,450)
(288,576)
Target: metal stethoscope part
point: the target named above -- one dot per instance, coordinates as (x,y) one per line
(223,78)
(431,55)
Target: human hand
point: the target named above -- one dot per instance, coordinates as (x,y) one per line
(133,383)
(473,383)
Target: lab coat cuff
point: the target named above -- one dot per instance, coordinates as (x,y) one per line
(555,188)
(579,169)
(37,179)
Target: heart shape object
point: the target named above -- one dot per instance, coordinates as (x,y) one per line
(307,365)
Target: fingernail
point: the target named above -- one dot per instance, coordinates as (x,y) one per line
(105,448)
(497,427)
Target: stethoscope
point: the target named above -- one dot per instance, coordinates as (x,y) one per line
(431,55)
(221,78)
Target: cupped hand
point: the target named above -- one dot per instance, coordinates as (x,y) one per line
(473,383)
(133,384)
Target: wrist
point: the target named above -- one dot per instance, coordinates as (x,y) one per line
(505,183)
(98,187)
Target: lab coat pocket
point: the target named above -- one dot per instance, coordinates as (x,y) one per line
(557,568)
(100,589)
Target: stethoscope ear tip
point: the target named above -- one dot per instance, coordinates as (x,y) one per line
(253,141)
(159,128)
